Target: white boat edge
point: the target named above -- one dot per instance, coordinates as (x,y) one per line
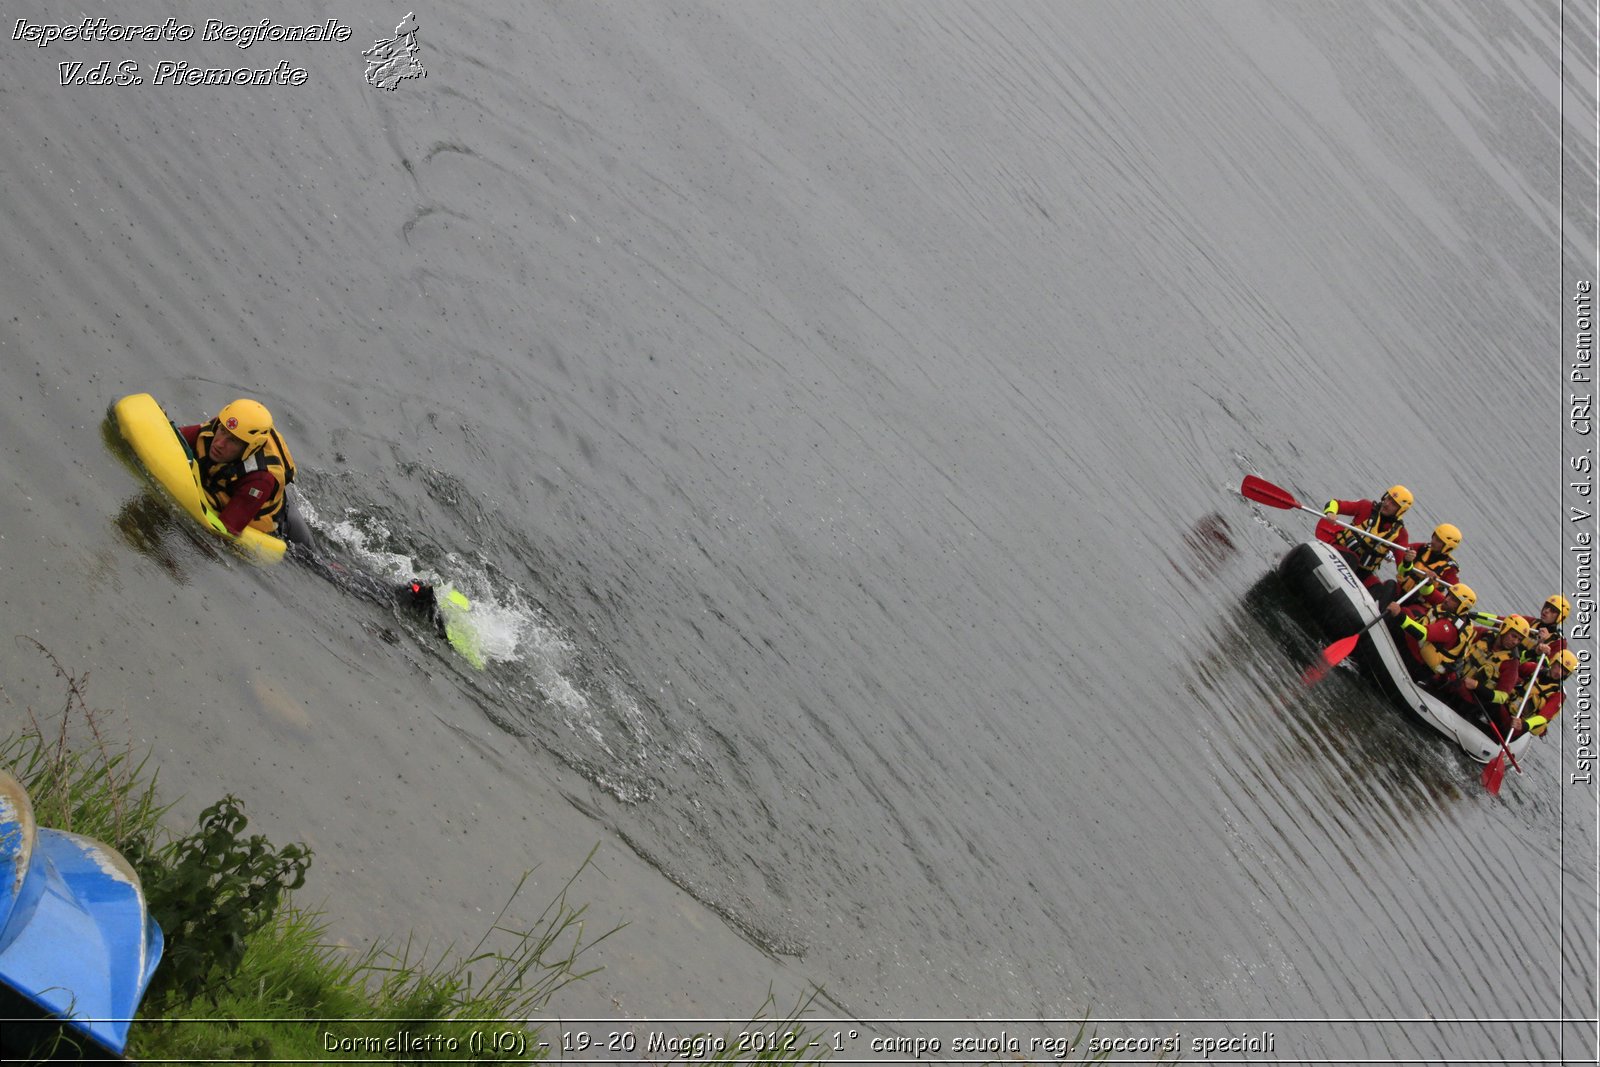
(1343,606)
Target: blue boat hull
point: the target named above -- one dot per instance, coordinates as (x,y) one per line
(77,943)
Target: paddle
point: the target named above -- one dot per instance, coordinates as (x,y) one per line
(1264,492)
(1495,620)
(1336,652)
(1494,772)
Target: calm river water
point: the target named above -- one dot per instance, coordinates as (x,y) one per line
(837,411)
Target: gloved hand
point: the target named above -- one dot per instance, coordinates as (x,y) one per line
(1332,508)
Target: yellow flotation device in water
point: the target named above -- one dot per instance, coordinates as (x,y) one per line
(166,456)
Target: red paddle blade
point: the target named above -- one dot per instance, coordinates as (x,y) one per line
(1494,772)
(1264,492)
(1331,656)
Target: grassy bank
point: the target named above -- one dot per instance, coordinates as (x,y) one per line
(248,975)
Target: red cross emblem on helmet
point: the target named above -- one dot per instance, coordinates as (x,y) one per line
(232,423)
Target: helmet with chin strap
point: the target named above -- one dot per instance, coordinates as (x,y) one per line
(1402,499)
(1515,624)
(249,421)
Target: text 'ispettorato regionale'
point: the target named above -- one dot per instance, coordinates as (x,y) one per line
(177,72)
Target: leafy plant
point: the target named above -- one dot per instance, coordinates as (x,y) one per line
(211,891)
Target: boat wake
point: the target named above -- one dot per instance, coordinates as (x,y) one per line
(535,674)
(506,628)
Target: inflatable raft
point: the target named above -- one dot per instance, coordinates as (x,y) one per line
(1342,606)
(169,460)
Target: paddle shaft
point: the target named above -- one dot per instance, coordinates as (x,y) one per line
(1369,535)
(1490,778)
(1505,752)
(1254,487)
(1505,742)
(1413,591)
(1381,612)
(1341,648)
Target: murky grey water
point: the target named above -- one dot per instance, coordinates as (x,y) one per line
(836,410)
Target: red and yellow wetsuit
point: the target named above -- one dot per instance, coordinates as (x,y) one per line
(1544,703)
(1443,567)
(247,491)
(1363,553)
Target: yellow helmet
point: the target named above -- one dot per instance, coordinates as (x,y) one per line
(1448,535)
(1561,604)
(1566,659)
(249,421)
(1464,596)
(1402,498)
(1515,624)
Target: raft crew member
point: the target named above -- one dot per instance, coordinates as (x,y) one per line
(1380,518)
(1544,701)
(245,467)
(1490,670)
(1418,564)
(1436,628)
(1547,640)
